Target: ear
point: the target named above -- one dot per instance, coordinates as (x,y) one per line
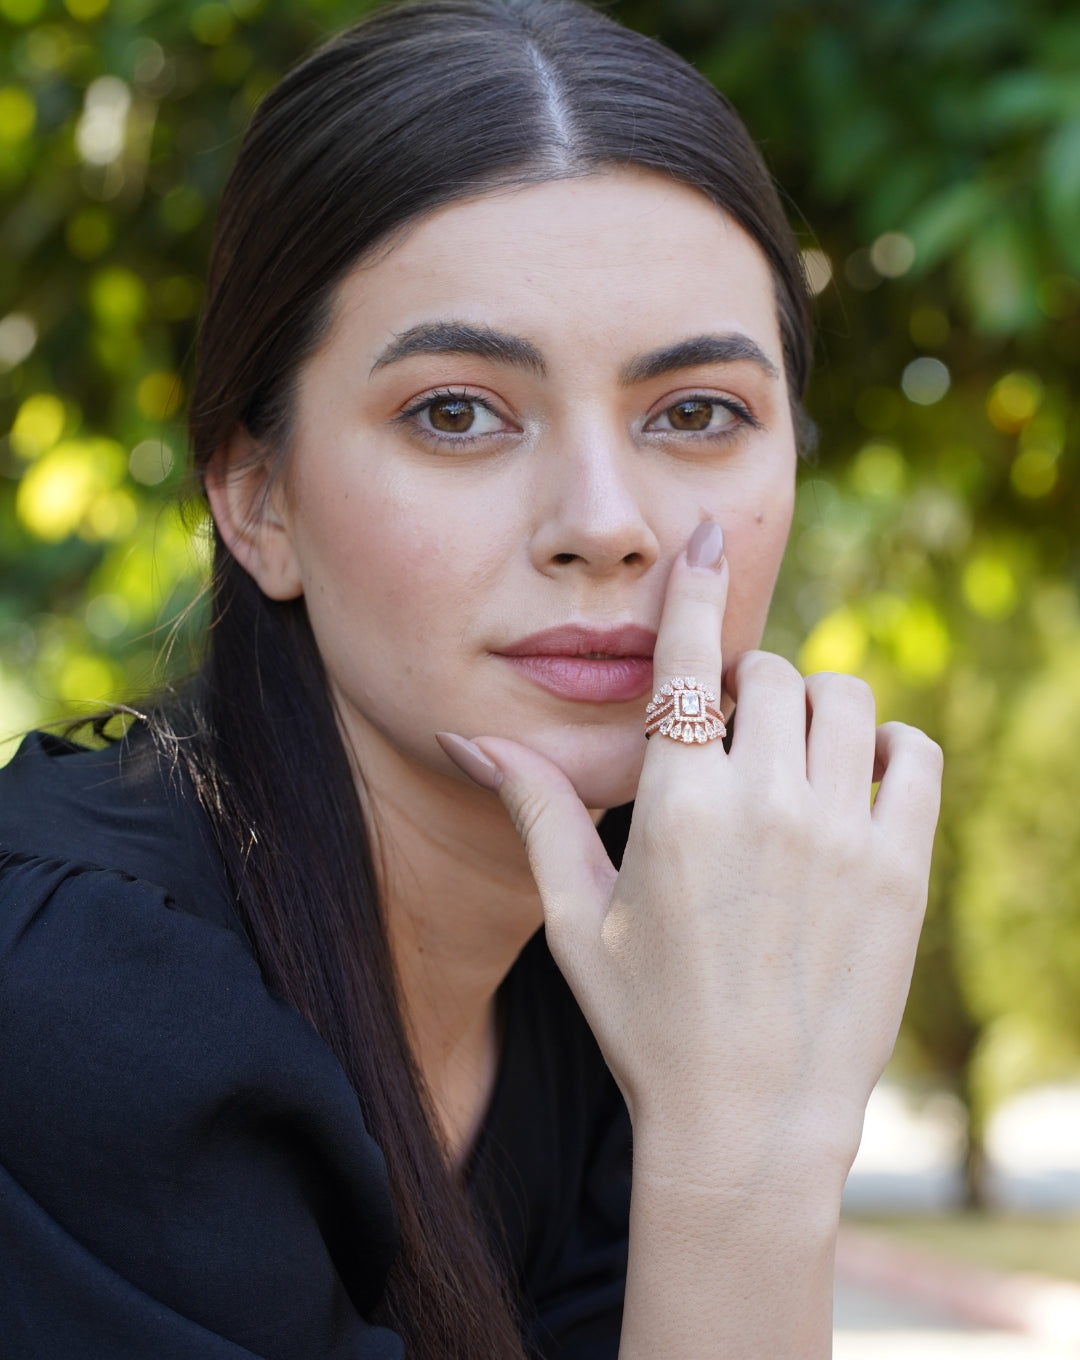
(249,512)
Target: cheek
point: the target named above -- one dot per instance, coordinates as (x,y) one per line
(391,571)
(375,578)
(384,604)
(755,543)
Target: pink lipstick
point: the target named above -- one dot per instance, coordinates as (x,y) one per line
(589,665)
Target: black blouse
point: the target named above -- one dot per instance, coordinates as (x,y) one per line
(185,1173)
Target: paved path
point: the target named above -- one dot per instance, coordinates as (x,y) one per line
(893,1301)
(931,1345)
(873,1325)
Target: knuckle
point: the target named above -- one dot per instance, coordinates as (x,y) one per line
(766,669)
(778,813)
(526,814)
(845,843)
(658,842)
(920,746)
(840,687)
(932,754)
(680,811)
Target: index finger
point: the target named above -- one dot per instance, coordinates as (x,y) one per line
(689,640)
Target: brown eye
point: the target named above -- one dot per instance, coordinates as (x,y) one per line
(690,415)
(452,415)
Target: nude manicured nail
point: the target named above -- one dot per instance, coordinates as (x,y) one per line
(468,757)
(706,546)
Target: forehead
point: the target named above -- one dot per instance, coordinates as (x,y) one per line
(608,260)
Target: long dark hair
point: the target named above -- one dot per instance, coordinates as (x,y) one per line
(417,106)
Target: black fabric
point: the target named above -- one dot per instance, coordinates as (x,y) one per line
(184,1167)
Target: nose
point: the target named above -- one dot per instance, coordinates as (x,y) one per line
(591,512)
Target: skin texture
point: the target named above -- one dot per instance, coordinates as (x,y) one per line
(419,559)
(746,971)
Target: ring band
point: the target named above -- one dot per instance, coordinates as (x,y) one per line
(684,711)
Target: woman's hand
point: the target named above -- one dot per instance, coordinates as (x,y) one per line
(746,969)
(744,973)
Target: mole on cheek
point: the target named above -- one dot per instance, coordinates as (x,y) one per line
(760,517)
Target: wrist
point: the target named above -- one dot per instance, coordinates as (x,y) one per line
(787,1160)
(731,1249)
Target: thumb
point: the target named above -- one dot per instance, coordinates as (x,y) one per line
(568,860)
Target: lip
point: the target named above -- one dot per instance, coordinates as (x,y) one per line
(558,660)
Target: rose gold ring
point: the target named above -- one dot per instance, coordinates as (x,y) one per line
(685,711)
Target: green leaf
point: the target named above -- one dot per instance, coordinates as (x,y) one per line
(1027,99)
(1000,279)
(945,223)
(1061,188)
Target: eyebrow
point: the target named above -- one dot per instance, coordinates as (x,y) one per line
(457,337)
(701,349)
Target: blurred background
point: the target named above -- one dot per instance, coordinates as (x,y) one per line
(929,152)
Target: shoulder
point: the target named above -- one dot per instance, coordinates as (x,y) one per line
(123,807)
(136,1031)
(113,910)
(115,956)
(124,985)
(165,1120)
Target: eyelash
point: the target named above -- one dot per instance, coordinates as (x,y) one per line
(745,417)
(410,416)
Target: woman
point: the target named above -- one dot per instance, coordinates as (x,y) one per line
(496,414)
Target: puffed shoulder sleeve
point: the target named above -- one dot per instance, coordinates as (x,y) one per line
(184,1169)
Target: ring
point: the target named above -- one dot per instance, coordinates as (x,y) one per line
(684,711)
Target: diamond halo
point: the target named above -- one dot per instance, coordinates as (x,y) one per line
(685,711)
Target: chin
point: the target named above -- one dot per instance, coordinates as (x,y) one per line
(603,768)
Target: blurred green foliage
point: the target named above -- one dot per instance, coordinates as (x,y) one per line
(117,125)
(930,153)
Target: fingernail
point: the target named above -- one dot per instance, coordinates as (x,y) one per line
(467,756)
(706,546)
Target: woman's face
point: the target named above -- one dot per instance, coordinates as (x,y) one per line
(520,414)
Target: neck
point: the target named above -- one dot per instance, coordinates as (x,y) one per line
(460,904)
